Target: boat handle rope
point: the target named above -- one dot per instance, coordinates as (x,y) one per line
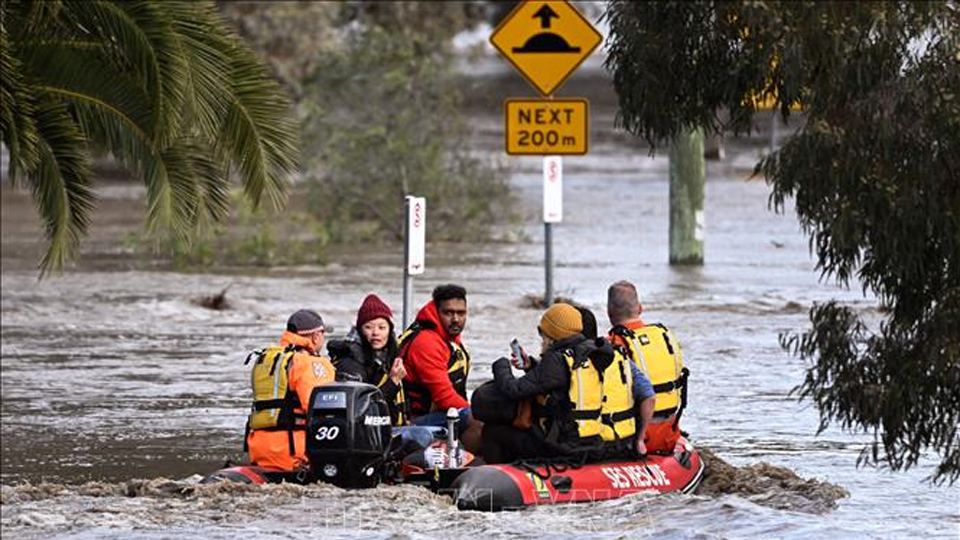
(551,466)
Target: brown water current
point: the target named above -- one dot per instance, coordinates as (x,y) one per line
(120,389)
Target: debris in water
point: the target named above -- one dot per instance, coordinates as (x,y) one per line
(535,301)
(793,307)
(768,485)
(216,302)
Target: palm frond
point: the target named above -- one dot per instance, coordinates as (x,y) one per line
(163,86)
(141,40)
(185,184)
(258,134)
(198,184)
(205,46)
(168,206)
(70,73)
(213,181)
(38,17)
(17,128)
(115,113)
(61,185)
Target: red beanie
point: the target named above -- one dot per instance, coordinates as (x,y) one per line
(372,308)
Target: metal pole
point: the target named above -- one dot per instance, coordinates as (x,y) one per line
(548,262)
(773,131)
(407,278)
(686,198)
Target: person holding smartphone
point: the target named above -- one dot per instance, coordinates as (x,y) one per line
(588,402)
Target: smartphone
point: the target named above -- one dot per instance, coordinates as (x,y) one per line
(516,349)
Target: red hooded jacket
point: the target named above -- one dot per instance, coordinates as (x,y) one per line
(427,360)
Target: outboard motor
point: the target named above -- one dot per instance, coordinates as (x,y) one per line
(348,434)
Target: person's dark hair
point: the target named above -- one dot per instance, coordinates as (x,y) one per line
(448,292)
(589,323)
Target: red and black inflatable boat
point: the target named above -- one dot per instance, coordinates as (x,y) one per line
(350,443)
(499,487)
(252,474)
(518,485)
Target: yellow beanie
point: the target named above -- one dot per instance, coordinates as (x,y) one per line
(561,321)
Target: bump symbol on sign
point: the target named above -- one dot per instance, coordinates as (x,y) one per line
(546,42)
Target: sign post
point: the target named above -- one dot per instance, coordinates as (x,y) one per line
(552,213)
(414,253)
(546,42)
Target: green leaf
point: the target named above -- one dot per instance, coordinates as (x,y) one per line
(163,86)
(60,185)
(258,134)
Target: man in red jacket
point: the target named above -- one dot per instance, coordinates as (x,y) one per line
(438,364)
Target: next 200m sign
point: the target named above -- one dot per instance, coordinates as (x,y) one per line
(546,126)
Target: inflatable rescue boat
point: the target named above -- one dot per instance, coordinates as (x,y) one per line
(364,453)
(499,487)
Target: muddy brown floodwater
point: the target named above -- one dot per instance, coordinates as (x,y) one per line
(119,390)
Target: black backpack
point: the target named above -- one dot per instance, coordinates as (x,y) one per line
(490,406)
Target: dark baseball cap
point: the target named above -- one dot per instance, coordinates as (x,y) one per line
(305,322)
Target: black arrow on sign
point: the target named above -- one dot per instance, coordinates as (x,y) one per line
(545,14)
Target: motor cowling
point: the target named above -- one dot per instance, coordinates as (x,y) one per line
(348,434)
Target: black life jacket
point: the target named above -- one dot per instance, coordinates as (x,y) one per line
(377,375)
(458,367)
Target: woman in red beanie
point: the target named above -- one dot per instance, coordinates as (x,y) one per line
(369,354)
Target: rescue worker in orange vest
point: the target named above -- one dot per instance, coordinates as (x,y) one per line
(656,352)
(283,378)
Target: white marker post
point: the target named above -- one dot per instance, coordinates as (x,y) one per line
(552,213)
(414,256)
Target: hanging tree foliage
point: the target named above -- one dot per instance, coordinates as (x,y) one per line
(874,170)
(165,87)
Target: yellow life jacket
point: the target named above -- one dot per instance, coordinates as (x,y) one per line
(275,405)
(653,349)
(399,401)
(458,368)
(602,402)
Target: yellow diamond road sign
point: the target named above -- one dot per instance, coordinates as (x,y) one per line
(545,41)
